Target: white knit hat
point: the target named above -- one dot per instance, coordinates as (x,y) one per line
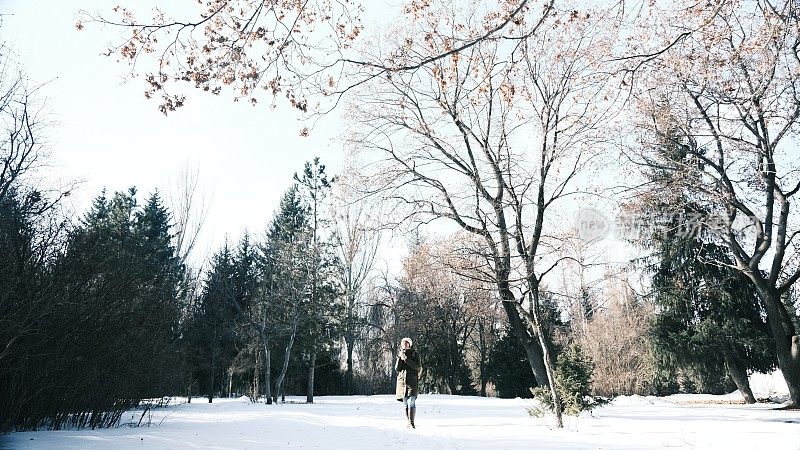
(410,342)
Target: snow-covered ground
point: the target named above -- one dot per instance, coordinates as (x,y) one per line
(377,422)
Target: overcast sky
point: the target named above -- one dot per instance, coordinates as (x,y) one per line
(109,136)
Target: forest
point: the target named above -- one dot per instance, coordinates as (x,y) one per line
(518,147)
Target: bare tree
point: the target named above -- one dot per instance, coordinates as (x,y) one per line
(189,211)
(383,328)
(357,241)
(616,338)
(579,285)
(23,148)
(491,139)
(728,97)
(484,339)
(440,309)
(23,158)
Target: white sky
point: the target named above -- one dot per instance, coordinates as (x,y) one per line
(109,136)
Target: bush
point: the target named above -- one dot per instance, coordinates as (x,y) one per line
(573,381)
(616,340)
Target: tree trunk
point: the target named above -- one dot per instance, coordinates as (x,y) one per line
(787,342)
(348,376)
(287,352)
(267,371)
(795,357)
(548,356)
(311,367)
(550,363)
(256,378)
(788,349)
(230,384)
(393,373)
(739,377)
(210,392)
(532,347)
(482,360)
(449,370)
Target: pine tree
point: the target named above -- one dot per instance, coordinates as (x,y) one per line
(509,369)
(254,322)
(285,264)
(105,306)
(709,321)
(115,313)
(573,377)
(212,329)
(161,280)
(315,186)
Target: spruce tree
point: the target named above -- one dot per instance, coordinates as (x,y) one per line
(115,313)
(315,186)
(253,323)
(709,319)
(212,330)
(573,378)
(104,306)
(286,261)
(508,368)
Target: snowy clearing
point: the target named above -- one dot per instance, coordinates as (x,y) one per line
(443,422)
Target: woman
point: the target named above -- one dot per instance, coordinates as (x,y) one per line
(408,367)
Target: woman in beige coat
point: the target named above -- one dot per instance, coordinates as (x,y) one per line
(408,368)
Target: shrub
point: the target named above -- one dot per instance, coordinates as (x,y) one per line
(573,380)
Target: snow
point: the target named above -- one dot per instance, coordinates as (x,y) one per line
(768,385)
(444,422)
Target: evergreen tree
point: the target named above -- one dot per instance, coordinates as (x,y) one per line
(254,323)
(709,320)
(509,369)
(285,265)
(162,278)
(442,327)
(321,306)
(573,377)
(245,291)
(25,311)
(508,365)
(112,318)
(103,306)
(212,326)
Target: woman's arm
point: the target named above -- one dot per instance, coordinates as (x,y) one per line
(413,361)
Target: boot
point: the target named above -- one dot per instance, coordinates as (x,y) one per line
(408,418)
(411,413)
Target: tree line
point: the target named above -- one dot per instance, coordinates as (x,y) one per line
(102,315)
